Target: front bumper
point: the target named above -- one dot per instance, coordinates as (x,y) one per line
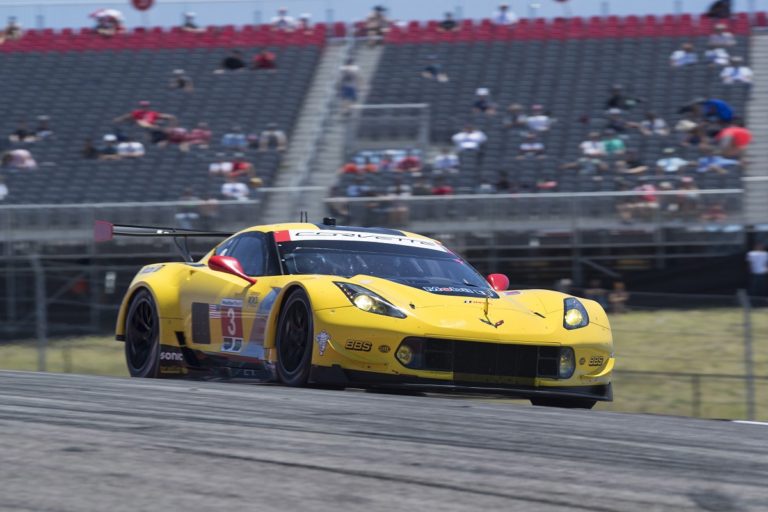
(338,376)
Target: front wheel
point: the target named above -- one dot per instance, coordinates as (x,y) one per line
(565,403)
(142,337)
(294,340)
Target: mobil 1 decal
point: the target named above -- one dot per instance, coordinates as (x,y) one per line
(230,313)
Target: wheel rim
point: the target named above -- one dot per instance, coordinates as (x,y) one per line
(141,334)
(294,337)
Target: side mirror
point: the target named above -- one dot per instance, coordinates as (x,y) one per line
(498,282)
(229,265)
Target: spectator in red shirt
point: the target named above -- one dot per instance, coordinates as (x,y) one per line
(410,163)
(442,188)
(144,116)
(265,59)
(369,167)
(733,140)
(350,168)
(200,136)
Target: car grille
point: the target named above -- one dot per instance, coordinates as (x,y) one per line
(472,360)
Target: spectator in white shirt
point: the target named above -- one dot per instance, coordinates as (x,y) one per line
(736,73)
(684,56)
(19,159)
(593,146)
(3,189)
(446,160)
(504,16)
(538,121)
(653,125)
(671,162)
(717,57)
(469,139)
(531,147)
(758,270)
(130,149)
(233,189)
(282,21)
(721,38)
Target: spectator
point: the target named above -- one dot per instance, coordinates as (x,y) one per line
(235,190)
(108,151)
(616,122)
(733,140)
(618,297)
(198,136)
(613,144)
(691,133)
(282,21)
(711,161)
(22,133)
(714,212)
(350,167)
(531,146)
(368,166)
(593,146)
(448,24)
(189,24)
(757,259)
(273,138)
(265,59)
(514,117)
(235,167)
(109,22)
(586,166)
(736,73)
(712,110)
(232,62)
(303,25)
(19,159)
(539,120)
(717,57)
(482,103)
(3,189)
(721,38)
(376,25)
(89,151)
(447,160)
(358,188)
(619,99)
(597,293)
(12,30)
(181,81)
(234,139)
(442,188)
(398,210)
(630,163)
(671,162)
(653,125)
(503,16)
(130,149)
(434,70)
(348,83)
(686,202)
(720,9)
(409,163)
(469,139)
(43,130)
(144,116)
(187,215)
(684,56)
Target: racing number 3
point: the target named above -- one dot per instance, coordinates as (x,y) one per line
(232,322)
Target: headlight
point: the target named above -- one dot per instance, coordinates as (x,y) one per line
(575,314)
(369,301)
(567,363)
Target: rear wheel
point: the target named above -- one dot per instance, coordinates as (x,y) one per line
(565,403)
(142,337)
(294,340)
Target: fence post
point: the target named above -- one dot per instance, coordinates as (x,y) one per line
(696,384)
(749,363)
(41,311)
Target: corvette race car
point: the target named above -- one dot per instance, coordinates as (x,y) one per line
(335,306)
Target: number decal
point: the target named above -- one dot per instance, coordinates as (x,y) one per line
(232,322)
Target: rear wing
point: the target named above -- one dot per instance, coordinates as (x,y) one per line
(104,231)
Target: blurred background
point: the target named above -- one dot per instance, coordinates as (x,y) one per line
(603,148)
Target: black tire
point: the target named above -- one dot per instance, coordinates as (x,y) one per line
(294,340)
(142,337)
(564,403)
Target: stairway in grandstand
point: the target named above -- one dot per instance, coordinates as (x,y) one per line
(756,176)
(82,82)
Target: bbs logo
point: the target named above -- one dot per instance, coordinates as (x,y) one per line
(596,361)
(171,356)
(359,345)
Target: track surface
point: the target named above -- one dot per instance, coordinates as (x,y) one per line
(76,443)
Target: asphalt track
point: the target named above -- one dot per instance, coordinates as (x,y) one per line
(79,443)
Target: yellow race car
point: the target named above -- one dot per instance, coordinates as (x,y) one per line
(326,305)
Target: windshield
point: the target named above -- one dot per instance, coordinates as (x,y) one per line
(434,269)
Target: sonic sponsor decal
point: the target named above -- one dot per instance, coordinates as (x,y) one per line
(171,356)
(297,235)
(322,338)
